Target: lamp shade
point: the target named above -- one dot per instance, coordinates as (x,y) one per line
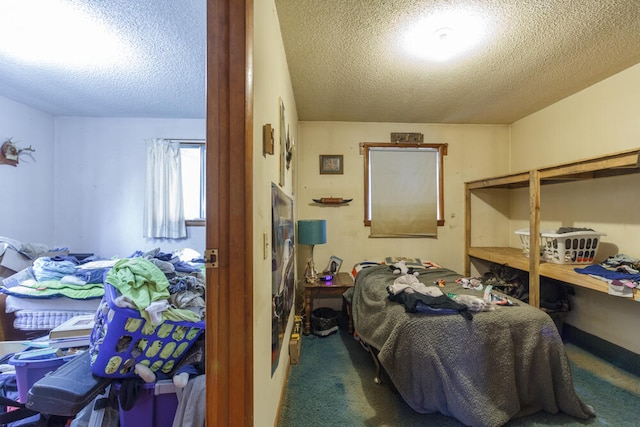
(312,231)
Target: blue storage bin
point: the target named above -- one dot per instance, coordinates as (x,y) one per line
(156,406)
(31,369)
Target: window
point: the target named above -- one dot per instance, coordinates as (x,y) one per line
(403,189)
(193,160)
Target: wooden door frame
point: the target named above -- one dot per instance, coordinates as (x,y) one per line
(229,230)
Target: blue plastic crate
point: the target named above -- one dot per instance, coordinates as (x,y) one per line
(119,341)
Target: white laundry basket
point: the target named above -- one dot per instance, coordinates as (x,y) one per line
(576,247)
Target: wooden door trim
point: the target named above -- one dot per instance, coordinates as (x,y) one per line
(229,336)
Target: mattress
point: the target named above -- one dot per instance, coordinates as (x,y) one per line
(36,314)
(28,320)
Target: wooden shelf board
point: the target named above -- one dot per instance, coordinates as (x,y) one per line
(622,163)
(613,164)
(616,164)
(517,180)
(513,257)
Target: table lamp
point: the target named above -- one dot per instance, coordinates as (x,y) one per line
(312,232)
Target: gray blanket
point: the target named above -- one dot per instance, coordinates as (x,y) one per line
(500,365)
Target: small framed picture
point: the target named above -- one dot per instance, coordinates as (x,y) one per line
(331,164)
(334,265)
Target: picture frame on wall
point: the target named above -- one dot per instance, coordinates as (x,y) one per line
(331,164)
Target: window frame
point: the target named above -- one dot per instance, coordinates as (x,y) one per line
(442,151)
(202,144)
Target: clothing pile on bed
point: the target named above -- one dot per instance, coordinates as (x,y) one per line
(55,289)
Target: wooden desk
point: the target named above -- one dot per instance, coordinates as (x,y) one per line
(340,283)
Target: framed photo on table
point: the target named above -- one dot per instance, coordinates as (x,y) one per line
(331,164)
(334,265)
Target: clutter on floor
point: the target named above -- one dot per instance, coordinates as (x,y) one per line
(122,342)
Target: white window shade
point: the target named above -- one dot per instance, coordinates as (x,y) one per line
(403,192)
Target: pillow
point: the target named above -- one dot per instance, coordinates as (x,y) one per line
(363,264)
(409,262)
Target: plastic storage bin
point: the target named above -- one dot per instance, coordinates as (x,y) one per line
(31,369)
(576,247)
(155,406)
(119,340)
(525,241)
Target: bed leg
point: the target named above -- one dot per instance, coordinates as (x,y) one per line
(378,378)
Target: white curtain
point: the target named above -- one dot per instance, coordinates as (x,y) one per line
(163,204)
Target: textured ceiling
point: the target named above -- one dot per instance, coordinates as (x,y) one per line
(347,64)
(344,56)
(159,70)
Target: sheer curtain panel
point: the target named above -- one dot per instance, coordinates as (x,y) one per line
(163,207)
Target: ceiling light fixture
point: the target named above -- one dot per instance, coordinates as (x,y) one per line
(53,32)
(445,35)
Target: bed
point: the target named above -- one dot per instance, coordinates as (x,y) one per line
(483,369)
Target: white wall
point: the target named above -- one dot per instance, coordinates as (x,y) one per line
(271,81)
(85,188)
(27,199)
(100,180)
(598,120)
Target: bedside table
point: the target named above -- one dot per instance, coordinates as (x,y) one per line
(340,283)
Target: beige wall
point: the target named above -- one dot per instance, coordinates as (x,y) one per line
(474,151)
(601,119)
(271,82)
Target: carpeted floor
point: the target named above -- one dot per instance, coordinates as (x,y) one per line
(333,386)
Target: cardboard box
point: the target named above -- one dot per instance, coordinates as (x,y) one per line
(294,342)
(14,260)
(10,347)
(294,351)
(17,261)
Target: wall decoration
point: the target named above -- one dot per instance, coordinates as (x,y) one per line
(282,274)
(399,137)
(336,201)
(267,139)
(283,143)
(331,164)
(10,153)
(289,147)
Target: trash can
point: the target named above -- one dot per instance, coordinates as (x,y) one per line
(324,321)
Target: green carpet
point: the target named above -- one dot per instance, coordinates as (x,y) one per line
(333,386)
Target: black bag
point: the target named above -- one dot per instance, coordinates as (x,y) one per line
(8,396)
